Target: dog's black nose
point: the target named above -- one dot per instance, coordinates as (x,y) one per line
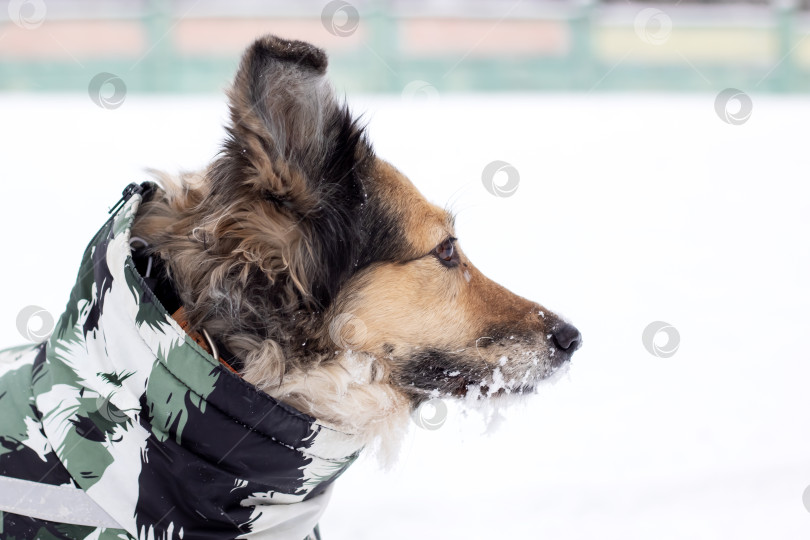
(566,337)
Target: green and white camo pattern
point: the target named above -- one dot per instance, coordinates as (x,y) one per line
(123,404)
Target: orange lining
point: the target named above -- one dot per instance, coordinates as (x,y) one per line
(180,317)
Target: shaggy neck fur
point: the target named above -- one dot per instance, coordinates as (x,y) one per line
(235,272)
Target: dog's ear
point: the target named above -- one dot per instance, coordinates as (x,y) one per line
(285,120)
(299,152)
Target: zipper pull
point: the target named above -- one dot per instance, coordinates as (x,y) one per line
(129,191)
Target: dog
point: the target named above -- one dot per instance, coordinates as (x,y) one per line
(238,335)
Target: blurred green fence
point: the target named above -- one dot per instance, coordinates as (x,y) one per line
(170,46)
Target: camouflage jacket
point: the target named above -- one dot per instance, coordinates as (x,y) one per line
(122,408)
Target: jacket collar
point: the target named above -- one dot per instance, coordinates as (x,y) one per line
(157,431)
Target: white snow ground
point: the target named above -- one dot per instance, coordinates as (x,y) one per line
(631,209)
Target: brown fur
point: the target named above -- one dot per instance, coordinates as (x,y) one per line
(313,261)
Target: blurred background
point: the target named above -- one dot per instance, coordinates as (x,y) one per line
(382,45)
(640,168)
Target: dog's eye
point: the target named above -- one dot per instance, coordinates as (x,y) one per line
(446,253)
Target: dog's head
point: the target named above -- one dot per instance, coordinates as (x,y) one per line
(298,244)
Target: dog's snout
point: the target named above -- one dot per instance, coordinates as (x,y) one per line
(566,337)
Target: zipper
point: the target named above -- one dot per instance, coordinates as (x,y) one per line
(129,191)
